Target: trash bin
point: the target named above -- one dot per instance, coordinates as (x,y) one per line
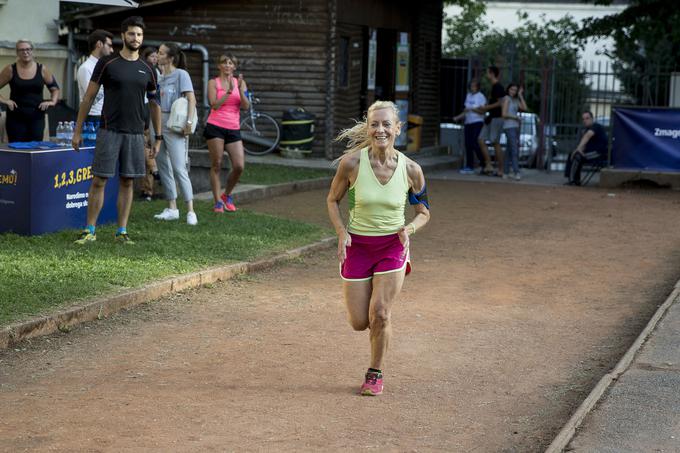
(414,132)
(297,133)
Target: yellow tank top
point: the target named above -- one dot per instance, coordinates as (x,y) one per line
(377,209)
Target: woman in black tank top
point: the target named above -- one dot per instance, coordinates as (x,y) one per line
(25,106)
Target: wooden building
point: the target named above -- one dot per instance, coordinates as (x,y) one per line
(331,57)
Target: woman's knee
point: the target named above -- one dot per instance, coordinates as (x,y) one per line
(216,165)
(358,324)
(380,318)
(237,168)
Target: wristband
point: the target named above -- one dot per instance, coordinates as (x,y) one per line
(158,137)
(413,228)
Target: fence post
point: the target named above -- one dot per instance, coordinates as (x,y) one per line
(551,114)
(542,113)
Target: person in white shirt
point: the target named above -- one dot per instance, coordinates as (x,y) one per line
(100,43)
(474,121)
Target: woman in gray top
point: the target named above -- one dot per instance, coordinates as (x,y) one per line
(513,103)
(172,158)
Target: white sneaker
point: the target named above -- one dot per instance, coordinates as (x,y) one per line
(191,218)
(168,214)
(518,177)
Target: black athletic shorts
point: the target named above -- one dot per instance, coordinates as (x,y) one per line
(228,135)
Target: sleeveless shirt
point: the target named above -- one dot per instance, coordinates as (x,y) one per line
(229,114)
(377,209)
(28,94)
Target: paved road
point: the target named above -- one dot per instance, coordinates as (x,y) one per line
(521,299)
(641,410)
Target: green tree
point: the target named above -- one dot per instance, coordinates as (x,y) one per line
(541,55)
(646,46)
(464,31)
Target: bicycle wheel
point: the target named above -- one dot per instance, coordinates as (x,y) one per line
(260,134)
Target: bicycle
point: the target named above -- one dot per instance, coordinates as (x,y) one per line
(259,131)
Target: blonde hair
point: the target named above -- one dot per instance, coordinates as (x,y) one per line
(16,46)
(357,136)
(227,56)
(223,59)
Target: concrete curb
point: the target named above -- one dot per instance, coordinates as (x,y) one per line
(285,188)
(105,306)
(566,434)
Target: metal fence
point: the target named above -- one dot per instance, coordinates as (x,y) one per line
(558,95)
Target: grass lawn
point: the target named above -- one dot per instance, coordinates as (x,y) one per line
(276,174)
(41,273)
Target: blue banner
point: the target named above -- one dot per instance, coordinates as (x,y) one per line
(646,139)
(15,177)
(45,191)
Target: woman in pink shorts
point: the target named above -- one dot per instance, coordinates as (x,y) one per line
(373,248)
(226,95)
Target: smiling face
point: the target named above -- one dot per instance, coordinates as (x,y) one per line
(227,67)
(512,91)
(383,128)
(24,51)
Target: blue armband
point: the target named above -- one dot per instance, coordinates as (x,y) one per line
(52,84)
(419,198)
(152,96)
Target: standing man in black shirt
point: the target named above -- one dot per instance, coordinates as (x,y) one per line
(126,78)
(592,146)
(493,123)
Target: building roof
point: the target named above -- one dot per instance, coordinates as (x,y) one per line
(75,11)
(564,2)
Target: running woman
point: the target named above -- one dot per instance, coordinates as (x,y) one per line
(226,95)
(374,247)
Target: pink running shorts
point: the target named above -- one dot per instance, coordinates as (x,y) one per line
(370,255)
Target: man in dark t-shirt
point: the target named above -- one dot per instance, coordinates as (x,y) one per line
(493,123)
(592,147)
(126,79)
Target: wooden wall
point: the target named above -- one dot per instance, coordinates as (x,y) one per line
(425,68)
(395,14)
(281,46)
(348,103)
(288,51)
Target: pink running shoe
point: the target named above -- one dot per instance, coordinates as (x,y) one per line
(228,202)
(373,384)
(219,207)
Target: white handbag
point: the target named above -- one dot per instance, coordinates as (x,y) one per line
(178,116)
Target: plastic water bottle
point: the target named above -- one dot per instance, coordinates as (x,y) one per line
(68,132)
(60,133)
(64,134)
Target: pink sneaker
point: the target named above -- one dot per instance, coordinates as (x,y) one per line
(373,384)
(228,202)
(219,207)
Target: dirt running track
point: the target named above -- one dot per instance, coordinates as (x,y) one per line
(521,299)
